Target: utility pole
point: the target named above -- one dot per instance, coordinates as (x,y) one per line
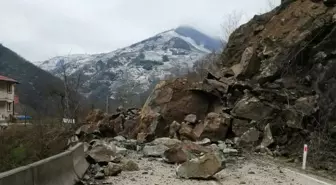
(107,104)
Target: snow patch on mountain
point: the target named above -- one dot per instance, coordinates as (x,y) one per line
(136,67)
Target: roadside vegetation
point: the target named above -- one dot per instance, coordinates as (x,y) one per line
(22,145)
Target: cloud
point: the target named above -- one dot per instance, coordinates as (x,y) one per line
(40,29)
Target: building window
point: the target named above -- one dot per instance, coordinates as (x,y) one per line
(9,88)
(9,107)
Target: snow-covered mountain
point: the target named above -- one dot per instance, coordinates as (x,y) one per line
(135,68)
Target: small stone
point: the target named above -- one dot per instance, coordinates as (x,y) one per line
(290,160)
(154,151)
(242,182)
(268,137)
(144,173)
(166,141)
(174,127)
(86,177)
(175,155)
(259,28)
(191,118)
(116,159)
(112,169)
(120,108)
(228,141)
(121,151)
(119,138)
(133,179)
(205,141)
(138,148)
(230,151)
(151,159)
(200,168)
(130,144)
(222,146)
(99,175)
(96,168)
(251,172)
(86,147)
(129,165)
(213,147)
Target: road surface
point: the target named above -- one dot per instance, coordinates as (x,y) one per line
(243,171)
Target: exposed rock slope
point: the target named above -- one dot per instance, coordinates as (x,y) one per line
(276,77)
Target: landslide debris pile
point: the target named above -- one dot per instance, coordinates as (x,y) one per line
(99,124)
(109,157)
(274,89)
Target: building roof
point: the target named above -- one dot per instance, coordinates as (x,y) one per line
(7,79)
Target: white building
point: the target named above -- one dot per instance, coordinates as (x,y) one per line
(7,97)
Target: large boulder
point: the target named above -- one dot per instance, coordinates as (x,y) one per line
(202,167)
(87,130)
(249,64)
(292,117)
(102,153)
(122,123)
(184,151)
(186,132)
(155,150)
(250,107)
(112,126)
(240,126)
(215,127)
(171,101)
(250,136)
(307,105)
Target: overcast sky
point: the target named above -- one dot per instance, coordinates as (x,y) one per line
(41,29)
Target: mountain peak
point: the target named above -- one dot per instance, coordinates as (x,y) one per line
(137,67)
(200,38)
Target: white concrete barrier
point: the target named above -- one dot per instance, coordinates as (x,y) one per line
(80,165)
(61,169)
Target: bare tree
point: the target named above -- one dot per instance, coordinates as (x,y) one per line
(230,24)
(71,100)
(202,66)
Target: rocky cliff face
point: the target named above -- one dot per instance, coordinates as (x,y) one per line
(274,88)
